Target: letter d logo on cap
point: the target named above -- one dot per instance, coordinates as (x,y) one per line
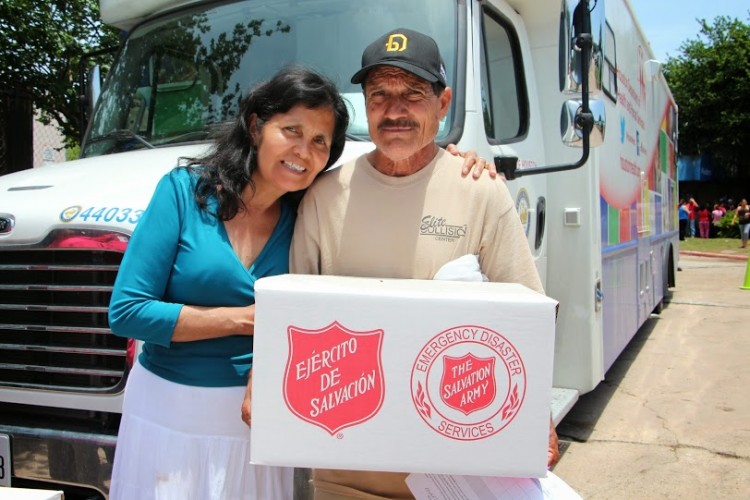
(396,43)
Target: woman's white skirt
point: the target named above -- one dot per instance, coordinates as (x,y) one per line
(183,442)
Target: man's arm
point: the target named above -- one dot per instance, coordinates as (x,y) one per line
(505,257)
(245,412)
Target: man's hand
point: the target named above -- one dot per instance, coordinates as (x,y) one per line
(472,162)
(245,410)
(553,450)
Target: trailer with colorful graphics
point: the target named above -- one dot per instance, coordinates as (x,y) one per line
(564,95)
(610,225)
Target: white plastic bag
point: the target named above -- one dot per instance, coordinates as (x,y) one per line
(464,268)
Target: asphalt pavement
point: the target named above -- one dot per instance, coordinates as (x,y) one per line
(672,417)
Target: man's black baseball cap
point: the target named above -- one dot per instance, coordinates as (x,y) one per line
(406,49)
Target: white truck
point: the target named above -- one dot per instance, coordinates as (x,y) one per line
(564,95)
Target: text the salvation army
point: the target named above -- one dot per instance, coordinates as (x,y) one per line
(472,382)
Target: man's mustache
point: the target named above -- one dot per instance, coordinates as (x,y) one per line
(401,123)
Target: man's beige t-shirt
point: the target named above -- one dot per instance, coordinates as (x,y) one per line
(356,221)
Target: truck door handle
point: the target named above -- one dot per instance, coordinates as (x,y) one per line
(541,216)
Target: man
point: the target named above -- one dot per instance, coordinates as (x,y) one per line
(401,210)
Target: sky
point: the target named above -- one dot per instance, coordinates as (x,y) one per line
(668,23)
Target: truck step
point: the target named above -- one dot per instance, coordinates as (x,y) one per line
(562,401)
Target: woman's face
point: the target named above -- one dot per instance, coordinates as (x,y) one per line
(293,147)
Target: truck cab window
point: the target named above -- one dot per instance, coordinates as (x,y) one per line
(503,99)
(609,79)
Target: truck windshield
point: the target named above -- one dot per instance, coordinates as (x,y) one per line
(180,76)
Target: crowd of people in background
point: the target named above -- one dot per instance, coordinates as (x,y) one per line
(703,219)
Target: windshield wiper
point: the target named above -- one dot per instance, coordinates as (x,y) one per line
(355,138)
(210,131)
(121,134)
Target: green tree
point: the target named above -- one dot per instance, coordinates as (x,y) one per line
(43,43)
(710,80)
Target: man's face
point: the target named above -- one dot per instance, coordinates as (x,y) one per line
(403,112)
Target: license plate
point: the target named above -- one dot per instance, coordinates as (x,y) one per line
(5,460)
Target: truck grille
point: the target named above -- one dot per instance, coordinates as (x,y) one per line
(54,332)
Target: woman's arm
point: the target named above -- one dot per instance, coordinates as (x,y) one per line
(199,323)
(138,308)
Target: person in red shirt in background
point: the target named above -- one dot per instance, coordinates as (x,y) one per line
(692,217)
(716,216)
(704,221)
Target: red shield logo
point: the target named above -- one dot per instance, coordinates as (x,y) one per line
(468,383)
(334,376)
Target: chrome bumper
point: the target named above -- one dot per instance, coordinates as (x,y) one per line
(64,457)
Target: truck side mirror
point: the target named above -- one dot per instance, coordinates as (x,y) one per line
(579,52)
(572,127)
(90,85)
(93,90)
(577,20)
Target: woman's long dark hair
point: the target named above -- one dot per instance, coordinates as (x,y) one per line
(229,165)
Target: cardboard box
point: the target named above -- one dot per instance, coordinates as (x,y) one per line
(402,375)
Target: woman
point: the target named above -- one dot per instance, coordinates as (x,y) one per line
(716,215)
(185,288)
(704,221)
(742,215)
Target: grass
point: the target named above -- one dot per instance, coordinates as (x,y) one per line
(714,245)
